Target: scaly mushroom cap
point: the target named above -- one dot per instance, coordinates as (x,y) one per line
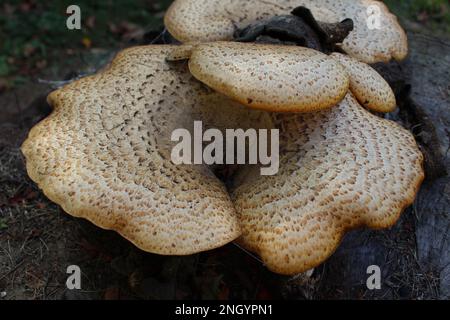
(104,154)
(212,20)
(271,77)
(340,169)
(368,86)
(179,53)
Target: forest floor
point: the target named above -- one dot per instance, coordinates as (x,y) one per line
(38,241)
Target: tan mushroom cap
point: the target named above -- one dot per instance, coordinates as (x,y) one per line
(213,20)
(104,154)
(340,169)
(368,86)
(271,77)
(182,52)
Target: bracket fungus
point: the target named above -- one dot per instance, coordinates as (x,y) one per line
(104,153)
(213,20)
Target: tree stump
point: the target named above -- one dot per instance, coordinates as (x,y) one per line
(414,256)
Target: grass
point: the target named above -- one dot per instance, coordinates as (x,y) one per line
(432,14)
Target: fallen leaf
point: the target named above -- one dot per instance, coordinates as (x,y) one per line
(264,294)
(113,28)
(3,85)
(26,6)
(423,17)
(224,293)
(9,9)
(87,43)
(22,196)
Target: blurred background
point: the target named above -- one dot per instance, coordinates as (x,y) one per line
(34,37)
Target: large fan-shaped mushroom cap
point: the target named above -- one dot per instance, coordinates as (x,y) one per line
(340,169)
(368,86)
(104,154)
(377,35)
(271,77)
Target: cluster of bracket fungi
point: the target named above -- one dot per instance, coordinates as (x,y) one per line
(297,65)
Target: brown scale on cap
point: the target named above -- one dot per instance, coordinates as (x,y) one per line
(271,77)
(104,153)
(213,20)
(340,169)
(368,86)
